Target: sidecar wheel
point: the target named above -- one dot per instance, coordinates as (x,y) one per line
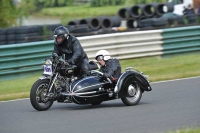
(37,95)
(134,95)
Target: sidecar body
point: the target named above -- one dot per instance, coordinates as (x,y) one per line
(95,89)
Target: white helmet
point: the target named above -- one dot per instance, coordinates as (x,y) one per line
(105,55)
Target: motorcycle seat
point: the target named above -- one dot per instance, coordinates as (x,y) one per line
(93,65)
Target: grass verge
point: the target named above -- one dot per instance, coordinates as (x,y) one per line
(157,68)
(186,130)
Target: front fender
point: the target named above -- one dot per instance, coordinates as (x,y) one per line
(135,77)
(44,77)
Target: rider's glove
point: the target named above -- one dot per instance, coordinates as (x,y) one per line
(62,61)
(70,61)
(54,55)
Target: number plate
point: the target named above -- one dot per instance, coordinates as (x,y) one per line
(47,69)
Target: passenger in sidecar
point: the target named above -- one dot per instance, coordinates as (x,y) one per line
(110,67)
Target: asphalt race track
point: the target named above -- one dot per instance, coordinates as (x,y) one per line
(169,106)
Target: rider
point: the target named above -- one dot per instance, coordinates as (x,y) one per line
(110,67)
(69,47)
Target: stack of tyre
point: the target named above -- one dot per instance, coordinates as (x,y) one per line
(3,37)
(96,23)
(21,34)
(48,30)
(146,15)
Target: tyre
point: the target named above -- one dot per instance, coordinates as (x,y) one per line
(37,95)
(160,22)
(3,43)
(179,20)
(3,31)
(134,94)
(146,23)
(2,38)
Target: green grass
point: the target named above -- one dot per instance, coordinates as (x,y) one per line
(77,12)
(187,130)
(157,68)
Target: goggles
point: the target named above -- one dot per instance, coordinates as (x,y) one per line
(55,36)
(99,58)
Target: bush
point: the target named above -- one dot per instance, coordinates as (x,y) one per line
(96,3)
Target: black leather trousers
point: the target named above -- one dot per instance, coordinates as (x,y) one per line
(84,66)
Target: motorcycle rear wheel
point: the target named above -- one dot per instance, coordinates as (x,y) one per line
(134,95)
(37,95)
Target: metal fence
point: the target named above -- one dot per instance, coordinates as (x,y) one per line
(19,60)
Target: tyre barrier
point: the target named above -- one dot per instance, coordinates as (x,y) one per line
(19,34)
(82,28)
(3,31)
(85,21)
(3,37)
(73,22)
(132,23)
(146,23)
(109,22)
(96,23)
(159,8)
(136,11)
(171,20)
(159,22)
(147,10)
(124,13)
(179,20)
(169,7)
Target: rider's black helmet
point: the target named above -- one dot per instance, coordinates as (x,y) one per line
(61,32)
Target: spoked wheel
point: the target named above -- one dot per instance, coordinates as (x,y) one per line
(134,94)
(38,95)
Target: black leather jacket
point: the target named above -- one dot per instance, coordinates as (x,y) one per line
(112,68)
(71,48)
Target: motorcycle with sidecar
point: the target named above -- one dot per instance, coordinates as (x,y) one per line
(61,82)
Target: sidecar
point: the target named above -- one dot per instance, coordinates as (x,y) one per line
(95,89)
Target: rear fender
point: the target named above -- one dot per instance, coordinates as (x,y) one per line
(136,77)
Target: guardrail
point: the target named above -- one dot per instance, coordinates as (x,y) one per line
(19,60)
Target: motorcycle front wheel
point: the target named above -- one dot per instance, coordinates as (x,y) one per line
(38,97)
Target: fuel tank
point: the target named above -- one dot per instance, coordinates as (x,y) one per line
(85,90)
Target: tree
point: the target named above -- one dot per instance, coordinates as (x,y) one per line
(8,13)
(12,14)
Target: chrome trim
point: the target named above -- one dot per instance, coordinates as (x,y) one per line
(77,94)
(88,87)
(53,82)
(43,77)
(75,99)
(120,78)
(93,95)
(85,93)
(116,89)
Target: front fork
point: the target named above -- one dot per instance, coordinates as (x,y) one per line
(49,94)
(53,81)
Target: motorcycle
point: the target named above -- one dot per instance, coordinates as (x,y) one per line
(62,82)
